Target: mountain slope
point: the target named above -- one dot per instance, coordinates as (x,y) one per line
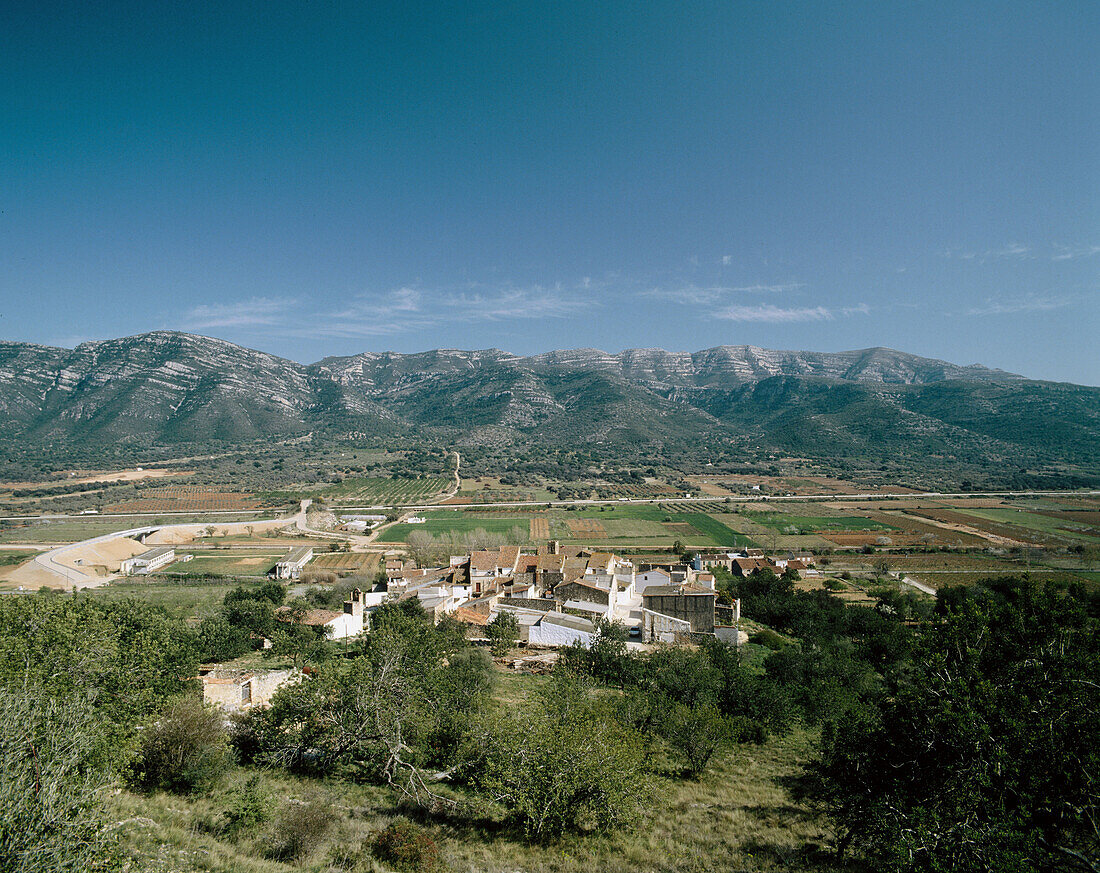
(166,387)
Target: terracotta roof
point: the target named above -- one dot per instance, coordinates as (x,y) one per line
(551,562)
(485,561)
(582,583)
(600,559)
(469,616)
(527,563)
(508,556)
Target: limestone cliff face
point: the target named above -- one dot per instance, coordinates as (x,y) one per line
(168,387)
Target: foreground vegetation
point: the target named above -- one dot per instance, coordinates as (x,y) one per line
(907,736)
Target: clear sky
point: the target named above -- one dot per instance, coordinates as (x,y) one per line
(323,178)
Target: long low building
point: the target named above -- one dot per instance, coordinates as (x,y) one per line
(148,561)
(291,566)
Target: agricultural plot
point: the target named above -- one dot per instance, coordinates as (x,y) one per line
(222,564)
(586,528)
(646,490)
(186,498)
(345,562)
(540,528)
(493,495)
(444,524)
(1070,526)
(719,534)
(14,557)
(377,489)
(1014,533)
(58,531)
(797,524)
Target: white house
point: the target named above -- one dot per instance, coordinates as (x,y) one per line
(236,690)
(560,629)
(290,567)
(336,625)
(148,561)
(651,578)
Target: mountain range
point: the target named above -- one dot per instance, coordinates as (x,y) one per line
(167,387)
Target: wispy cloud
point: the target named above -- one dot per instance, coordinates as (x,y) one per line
(768,289)
(1069,253)
(697,295)
(254,312)
(1012,251)
(409,309)
(1019,251)
(766,312)
(771,314)
(1030,303)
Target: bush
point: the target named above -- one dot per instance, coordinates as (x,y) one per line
(407,846)
(185,751)
(769,639)
(300,828)
(834,585)
(250,805)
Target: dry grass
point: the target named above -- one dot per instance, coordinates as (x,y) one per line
(738,816)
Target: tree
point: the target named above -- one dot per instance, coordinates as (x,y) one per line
(694,733)
(391,714)
(51,812)
(185,750)
(566,764)
(983,754)
(299,642)
(503,632)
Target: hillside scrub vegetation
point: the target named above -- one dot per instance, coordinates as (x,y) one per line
(901,736)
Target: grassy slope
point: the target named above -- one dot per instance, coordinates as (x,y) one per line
(737,817)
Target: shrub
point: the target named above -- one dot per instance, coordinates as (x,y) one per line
(250,805)
(834,585)
(185,751)
(300,828)
(407,846)
(769,639)
(746,730)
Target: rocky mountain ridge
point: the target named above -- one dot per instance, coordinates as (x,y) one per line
(168,388)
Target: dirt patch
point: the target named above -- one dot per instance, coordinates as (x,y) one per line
(586,528)
(680,528)
(540,529)
(344,561)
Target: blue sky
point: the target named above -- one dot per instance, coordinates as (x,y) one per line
(327,178)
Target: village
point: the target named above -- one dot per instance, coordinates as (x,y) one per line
(558,596)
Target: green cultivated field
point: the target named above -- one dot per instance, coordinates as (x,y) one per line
(444,523)
(382,490)
(222,564)
(619,527)
(14,557)
(186,598)
(1031,521)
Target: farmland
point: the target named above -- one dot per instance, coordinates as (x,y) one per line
(384,490)
(345,562)
(186,498)
(218,563)
(609,527)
